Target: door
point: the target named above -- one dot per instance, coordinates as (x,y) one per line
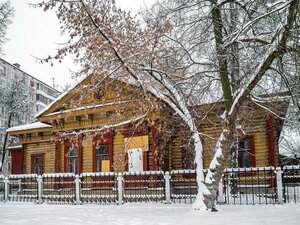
(17,161)
(135,160)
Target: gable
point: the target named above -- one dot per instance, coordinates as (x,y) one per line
(105,100)
(90,92)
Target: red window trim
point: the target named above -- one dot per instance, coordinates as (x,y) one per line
(42,155)
(271,140)
(67,145)
(104,139)
(154,146)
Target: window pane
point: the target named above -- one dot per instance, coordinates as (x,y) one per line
(247,159)
(102,150)
(73,152)
(244,153)
(37,169)
(247,145)
(37,160)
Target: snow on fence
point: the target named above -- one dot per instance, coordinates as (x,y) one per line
(99,187)
(23,187)
(264,185)
(58,187)
(146,186)
(183,186)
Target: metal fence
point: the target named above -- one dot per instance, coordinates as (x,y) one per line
(58,187)
(147,186)
(249,186)
(265,185)
(99,188)
(1,188)
(183,186)
(23,187)
(291,183)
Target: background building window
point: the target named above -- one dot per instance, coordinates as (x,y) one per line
(3,70)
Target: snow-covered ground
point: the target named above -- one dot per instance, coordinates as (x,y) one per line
(146,214)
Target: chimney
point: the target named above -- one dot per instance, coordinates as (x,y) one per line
(17,65)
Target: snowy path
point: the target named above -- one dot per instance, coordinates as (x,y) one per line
(146,214)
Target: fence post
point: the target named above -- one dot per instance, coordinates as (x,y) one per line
(120,188)
(279,185)
(6,189)
(40,189)
(221,192)
(77,189)
(168,187)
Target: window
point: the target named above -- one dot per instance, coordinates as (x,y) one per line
(42,98)
(72,160)
(246,153)
(102,158)
(37,164)
(2,70)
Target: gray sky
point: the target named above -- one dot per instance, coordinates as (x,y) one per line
(35,33)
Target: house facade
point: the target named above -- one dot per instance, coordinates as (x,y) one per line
(115,126)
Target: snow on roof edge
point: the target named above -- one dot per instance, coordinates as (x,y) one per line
(36,125)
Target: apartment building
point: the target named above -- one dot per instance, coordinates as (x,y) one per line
(38,95)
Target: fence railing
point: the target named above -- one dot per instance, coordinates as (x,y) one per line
(1,188)
(250,186)
(264,185)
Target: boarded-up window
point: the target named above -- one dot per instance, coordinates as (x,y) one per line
(137,142)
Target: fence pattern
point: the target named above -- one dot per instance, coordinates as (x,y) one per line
(265,185)
(291,184)
(99,187)
(250,186)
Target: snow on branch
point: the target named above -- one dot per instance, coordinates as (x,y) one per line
(250,23)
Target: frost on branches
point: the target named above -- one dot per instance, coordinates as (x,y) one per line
(185,53)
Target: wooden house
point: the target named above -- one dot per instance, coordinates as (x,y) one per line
(115,126)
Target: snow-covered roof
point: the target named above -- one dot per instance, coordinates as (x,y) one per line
(36,125)
(14,147)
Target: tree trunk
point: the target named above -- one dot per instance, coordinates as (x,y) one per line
(217,165)
(5,141)
(199,204)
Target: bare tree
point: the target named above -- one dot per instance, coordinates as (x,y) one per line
(6,13)
(16,105)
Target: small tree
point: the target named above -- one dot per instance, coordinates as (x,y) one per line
(6,13)
(15,101)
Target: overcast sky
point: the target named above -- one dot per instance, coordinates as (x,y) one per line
(35,33)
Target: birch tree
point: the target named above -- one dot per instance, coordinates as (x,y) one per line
(250,42)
